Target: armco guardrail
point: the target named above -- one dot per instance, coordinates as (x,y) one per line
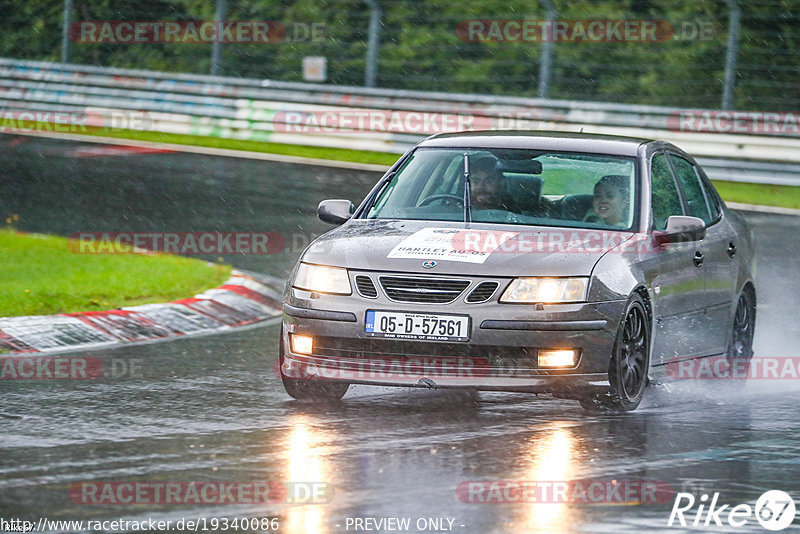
(361,118)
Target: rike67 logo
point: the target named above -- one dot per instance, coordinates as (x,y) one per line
(774,510)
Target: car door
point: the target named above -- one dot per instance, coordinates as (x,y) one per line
(676,279)
(718,256)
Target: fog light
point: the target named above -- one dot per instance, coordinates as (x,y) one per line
(557,358)
(301,344)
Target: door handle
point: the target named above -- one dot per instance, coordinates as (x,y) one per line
(698,258)
(731,249)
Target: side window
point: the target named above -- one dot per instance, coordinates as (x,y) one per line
(716,209)
(692,191)
(711,195)
(665,200)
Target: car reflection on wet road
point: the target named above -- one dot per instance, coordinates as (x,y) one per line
(211,409)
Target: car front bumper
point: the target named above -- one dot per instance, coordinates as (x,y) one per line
(501,354)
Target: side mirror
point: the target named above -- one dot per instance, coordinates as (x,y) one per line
(335,211)
(681,228)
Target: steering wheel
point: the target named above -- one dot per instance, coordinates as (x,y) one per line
(445,196)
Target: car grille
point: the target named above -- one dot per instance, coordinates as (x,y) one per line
(424,290)
(365,287)
(482,292)
(512,357)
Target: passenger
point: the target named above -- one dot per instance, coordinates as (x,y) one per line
(611,201)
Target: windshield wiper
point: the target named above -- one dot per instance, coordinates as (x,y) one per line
(373,199)
(467,191)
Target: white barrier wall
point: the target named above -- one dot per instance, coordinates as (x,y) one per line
(360,118)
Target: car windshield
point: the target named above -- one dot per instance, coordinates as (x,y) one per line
(513,186)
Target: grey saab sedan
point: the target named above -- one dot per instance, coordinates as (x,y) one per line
(583,266)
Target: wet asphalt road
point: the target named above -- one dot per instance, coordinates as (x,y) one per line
(212,409)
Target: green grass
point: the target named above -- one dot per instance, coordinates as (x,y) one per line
(769,195)
(784,196)
(338,154)
(42,276)
(764,194)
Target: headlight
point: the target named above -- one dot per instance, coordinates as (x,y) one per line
(546,290)
(322,279)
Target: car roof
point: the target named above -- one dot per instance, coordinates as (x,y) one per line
(540,140)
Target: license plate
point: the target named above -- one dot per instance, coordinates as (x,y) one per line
(423,326)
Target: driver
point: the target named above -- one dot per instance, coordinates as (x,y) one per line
(486,184)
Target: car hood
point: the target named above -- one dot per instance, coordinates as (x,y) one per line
(438,247)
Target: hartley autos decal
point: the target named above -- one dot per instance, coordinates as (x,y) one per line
(438,244)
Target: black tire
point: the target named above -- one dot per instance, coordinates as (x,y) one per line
(311,389)
(740,344)
(630,362)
